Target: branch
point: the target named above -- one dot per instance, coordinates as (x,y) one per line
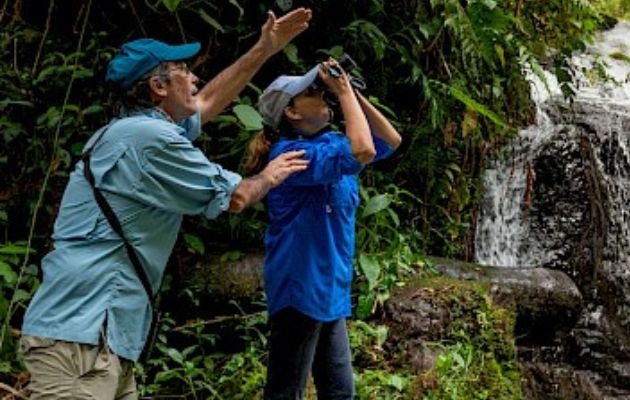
(135,13)
(4,9)
(519,6)
(197,323)
(44,35)
(13,391)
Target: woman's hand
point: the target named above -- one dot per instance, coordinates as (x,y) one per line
(357,128)
(336,85)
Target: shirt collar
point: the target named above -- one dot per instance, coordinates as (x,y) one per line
(296,133)
(153,112)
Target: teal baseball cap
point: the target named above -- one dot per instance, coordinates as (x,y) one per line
(140,56)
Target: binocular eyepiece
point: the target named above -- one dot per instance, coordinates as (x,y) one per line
(345,62)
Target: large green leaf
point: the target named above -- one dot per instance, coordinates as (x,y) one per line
(94,108)
(211,21)
(376,204)
(229,256)
(397,382)
(195,243)
(176,355)
(21,295)
(476,106)
(291,52)
(7,273)
(13,249)
(365,303)
(171,4)
(23,103)
(371,269)
(248,116)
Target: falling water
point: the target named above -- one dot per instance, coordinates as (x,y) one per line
(503,228)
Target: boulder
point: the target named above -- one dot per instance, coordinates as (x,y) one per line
(545,300)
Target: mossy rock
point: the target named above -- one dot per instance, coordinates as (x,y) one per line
(544,300)
(459,342)
(235,276)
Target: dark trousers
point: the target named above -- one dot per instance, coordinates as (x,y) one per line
(298,344)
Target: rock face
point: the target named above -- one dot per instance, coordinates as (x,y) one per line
(581,214)
(231,279)
(564,196)
(578,221)
(560,382)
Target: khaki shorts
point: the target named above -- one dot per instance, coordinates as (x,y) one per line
(67,370)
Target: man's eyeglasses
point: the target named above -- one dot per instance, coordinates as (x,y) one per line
(181,67)
(164,73)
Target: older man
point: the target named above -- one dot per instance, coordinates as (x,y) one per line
(88,321)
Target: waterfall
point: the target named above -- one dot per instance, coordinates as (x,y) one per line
(601,82)
(502,226)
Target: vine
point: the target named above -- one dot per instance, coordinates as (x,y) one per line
(42,191)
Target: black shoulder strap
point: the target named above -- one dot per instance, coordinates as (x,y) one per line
(113,220)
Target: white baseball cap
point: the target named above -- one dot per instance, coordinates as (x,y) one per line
(278,94)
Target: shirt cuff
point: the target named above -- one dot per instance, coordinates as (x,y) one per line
(225,182)
(383,150)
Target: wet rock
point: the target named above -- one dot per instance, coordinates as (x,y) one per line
(416,319)
(558,382)
(422,313)
(580,221)
(545,300)
(424,357)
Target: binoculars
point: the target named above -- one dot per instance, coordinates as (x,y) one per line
(347,64)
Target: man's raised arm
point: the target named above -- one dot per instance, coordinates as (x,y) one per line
(275,34)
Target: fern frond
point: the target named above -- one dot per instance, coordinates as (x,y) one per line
(472,103)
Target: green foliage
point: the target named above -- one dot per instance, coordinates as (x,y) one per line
(465,372)
(479,355)
(386,255)
(614,8)
(194,244)
(450,73)
(375,378)
(248,116)
(202,370)
(16,289)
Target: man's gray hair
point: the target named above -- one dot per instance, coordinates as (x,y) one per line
(138,96)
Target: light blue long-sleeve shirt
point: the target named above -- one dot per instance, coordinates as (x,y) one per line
(151,174)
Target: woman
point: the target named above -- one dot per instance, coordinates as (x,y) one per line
(310,241)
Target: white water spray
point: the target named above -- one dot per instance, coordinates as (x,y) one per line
(502,227)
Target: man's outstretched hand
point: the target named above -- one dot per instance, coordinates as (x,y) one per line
(281,167)
(278,32)
(252,189)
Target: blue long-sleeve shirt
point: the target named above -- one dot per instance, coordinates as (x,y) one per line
(310,240)
(151,174)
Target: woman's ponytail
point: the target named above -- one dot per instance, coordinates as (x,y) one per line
(257,151)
